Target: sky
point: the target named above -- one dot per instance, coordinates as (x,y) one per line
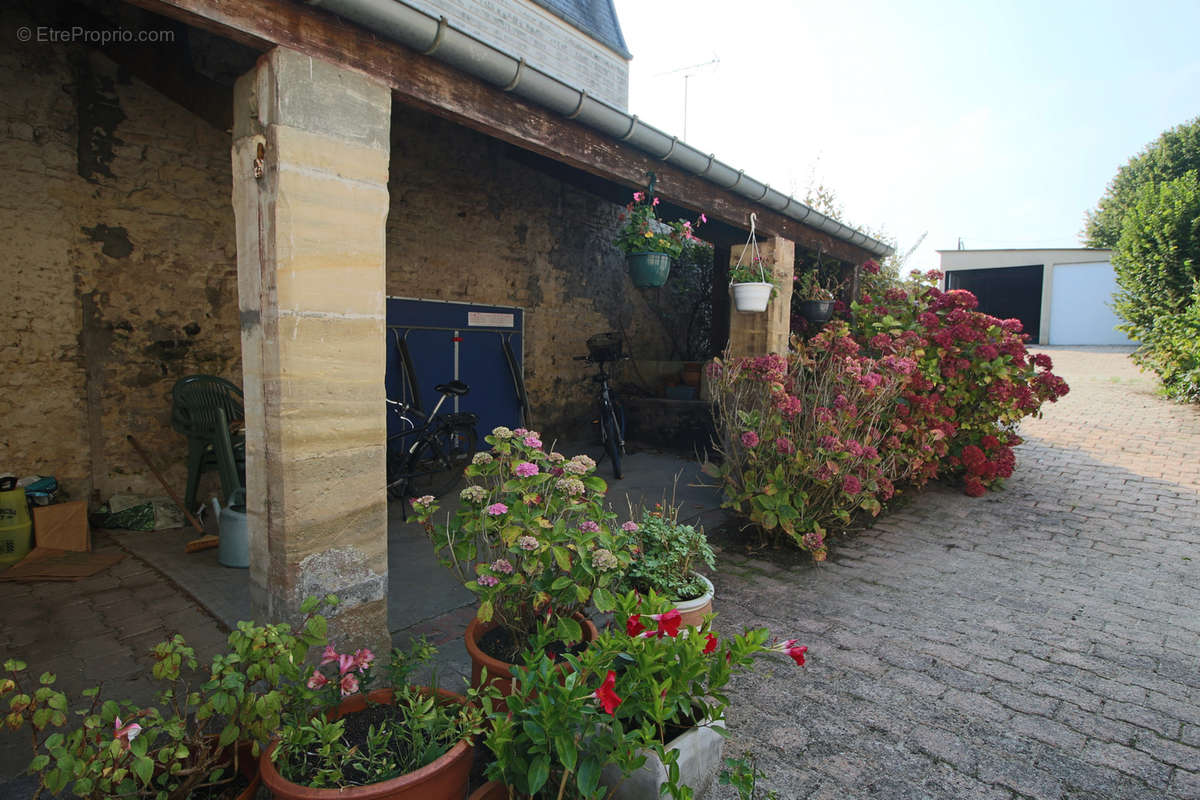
(1000,123)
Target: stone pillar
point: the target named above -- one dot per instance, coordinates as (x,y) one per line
(759,333)
(310,168)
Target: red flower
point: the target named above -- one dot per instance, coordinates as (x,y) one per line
(711,644)
(797,653)
(668,623)
(605,694)
(633,625)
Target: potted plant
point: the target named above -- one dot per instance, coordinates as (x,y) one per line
(667,556)
(401,742)
(650,243)
(812,299)
(534,542)
(635,714)
(753,286)
(205,739)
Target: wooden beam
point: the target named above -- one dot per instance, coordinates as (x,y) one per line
(429,84)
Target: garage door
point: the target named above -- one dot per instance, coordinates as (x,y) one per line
(1080,311)
(1005,292)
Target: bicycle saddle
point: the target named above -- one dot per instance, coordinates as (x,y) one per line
(456,388)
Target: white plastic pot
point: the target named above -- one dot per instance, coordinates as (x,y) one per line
(699,761)
(693,611)
(751,296)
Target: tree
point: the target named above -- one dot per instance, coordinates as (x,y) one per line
(1174,153)
(1157,255)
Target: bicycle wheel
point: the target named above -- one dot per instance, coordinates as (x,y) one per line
(437,465)
(612,439)
(397,485)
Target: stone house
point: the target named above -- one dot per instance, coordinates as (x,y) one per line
(370,149)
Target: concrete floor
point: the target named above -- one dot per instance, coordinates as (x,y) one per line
(424,598)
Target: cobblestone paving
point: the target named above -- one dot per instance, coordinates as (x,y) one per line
(1040,642)
(97,630)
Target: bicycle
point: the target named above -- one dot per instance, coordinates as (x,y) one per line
(604,348)
(441,448)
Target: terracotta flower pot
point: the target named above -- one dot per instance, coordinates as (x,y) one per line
(444,779)
(499,674)
(692,611)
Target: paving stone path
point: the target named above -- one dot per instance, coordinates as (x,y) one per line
(1040,642)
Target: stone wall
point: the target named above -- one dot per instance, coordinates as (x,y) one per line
(120,262)
(467,223)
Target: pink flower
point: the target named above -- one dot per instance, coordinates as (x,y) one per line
(629,527)
(496,509)
(750,439)
(588,526)
(638,197)
(525,469)
(348,684)
(703,218)
(317,681)
(606,694)
(329,655)
(655,202)
(784,446)
(345,663)
(503,566)
(532,440)
(363,658)
(851,485)
(487,580)
(125,733)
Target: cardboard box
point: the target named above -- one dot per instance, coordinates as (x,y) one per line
(62,526)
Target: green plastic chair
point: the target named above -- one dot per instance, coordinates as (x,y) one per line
(202,409)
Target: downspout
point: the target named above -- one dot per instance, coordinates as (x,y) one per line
(436,37)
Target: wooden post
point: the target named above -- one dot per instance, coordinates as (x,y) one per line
(759,333)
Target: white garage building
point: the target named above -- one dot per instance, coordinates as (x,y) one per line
(1062,296)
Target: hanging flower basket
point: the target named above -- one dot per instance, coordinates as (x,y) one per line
(750,294)
(815,312)
(649,270)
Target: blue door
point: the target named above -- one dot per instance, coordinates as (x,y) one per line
(432,342)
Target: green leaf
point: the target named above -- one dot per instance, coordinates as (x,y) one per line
(568,753)
(143,767)
(588,777)
(228,735)
(604,600)
(563,559)
(39,763)
(539,771)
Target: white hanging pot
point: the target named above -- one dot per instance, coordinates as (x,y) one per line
(751,296)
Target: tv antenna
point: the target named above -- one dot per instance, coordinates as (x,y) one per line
(688,72)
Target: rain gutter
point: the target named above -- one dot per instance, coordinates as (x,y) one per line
(435,36)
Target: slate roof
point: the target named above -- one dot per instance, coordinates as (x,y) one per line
(596,18)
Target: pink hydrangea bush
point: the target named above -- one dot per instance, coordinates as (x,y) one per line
(974,380)
(532,538)
(803,436)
